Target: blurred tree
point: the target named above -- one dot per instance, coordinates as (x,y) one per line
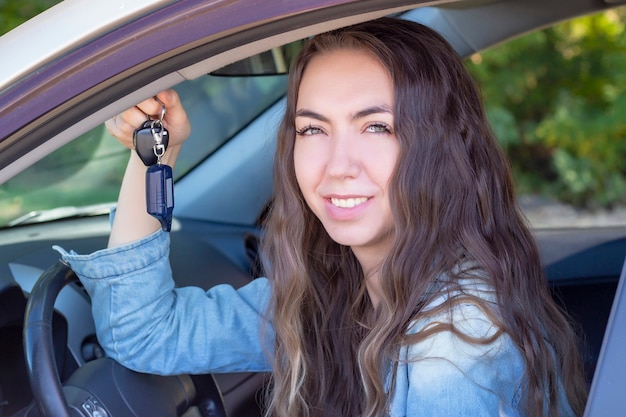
(14,12)
(556,101)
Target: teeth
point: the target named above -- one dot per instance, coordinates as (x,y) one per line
(348,202)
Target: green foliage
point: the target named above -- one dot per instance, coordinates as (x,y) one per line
(15,12)
(556,101)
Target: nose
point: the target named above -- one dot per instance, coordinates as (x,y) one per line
(343,157)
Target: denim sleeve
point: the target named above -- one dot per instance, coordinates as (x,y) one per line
(148,325)
(445,375)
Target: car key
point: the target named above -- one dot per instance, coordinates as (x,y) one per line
(160,194)
(145,141)
(150,141)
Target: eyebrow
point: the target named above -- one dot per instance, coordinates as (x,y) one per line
(311,114)
(358,115)
(372,110)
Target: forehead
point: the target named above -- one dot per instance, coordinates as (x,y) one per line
(340,59)
(344,75)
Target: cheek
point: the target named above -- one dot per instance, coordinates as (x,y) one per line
(383,164)
(301,168)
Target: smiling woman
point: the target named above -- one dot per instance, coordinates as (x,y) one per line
(457,244)
(346,151)
(409,300)
(460,320)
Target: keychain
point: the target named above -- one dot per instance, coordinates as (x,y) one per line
(151,139)
(150,142)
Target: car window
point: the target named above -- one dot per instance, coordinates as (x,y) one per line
(556,100)
(87,172)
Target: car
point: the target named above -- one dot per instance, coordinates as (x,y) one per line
(60,173)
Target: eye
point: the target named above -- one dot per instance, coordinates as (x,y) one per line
(378,128)
(309,131)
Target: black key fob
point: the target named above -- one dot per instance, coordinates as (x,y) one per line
(145,139)
(160,194)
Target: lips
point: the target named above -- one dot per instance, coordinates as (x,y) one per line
(346,208)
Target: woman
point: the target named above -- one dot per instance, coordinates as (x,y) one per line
(403,280)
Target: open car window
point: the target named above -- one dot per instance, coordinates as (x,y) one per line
(556,100)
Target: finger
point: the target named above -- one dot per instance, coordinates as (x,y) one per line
(154,105)
(175,119)
(150,107)
(123,125)
(175,115)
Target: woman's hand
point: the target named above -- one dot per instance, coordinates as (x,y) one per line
(131,221)
(175,121)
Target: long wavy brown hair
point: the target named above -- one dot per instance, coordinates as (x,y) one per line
(452,200)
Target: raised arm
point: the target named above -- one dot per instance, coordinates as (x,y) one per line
(132,222)
(142,320)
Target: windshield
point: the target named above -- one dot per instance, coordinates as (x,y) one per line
(84,176)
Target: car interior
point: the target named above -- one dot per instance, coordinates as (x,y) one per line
(223,189)
(610,366)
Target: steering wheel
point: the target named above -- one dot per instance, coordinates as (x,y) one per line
(102,387)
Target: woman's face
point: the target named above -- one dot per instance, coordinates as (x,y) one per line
(346,149)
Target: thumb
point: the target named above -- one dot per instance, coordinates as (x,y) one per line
(175,119)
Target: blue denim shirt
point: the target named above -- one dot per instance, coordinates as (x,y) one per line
(147,324)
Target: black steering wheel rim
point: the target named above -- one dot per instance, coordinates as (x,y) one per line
(46,386)
(38,346)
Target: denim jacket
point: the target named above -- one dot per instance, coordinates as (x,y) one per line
(144,322)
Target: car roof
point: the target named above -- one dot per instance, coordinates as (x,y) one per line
(63,27)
